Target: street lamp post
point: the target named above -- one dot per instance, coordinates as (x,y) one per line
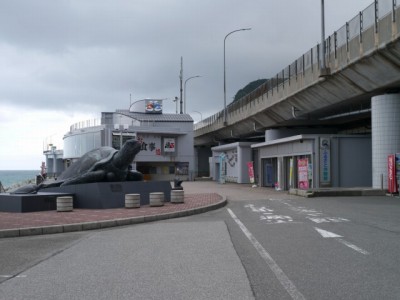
(184,90)
(324,70)
(201,115)
(242,29)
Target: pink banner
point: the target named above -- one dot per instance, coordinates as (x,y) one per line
(302,168)
(250,170)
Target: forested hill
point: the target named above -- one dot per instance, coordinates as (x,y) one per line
(249,88)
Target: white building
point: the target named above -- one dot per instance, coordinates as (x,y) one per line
(229,162)
(167,139)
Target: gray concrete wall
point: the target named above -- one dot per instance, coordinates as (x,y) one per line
(351,161)
(244,156)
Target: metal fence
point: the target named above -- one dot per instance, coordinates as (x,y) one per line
(355,28)
(85,124)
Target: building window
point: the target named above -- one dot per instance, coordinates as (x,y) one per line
(182,168)
(116,141)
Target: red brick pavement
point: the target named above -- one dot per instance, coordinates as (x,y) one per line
(11,220)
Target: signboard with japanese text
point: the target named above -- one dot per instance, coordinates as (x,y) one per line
(302,173)
(325,161)
(150,144)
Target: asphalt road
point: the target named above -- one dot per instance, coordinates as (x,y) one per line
(273,246)
(329,248)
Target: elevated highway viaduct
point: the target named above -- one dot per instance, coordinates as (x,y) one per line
(363,63)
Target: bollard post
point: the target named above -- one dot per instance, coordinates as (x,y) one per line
(177,196)
(64,204)
(157,199)
(132,200)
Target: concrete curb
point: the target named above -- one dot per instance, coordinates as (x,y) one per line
(301,193)
(52,229)
(344,192)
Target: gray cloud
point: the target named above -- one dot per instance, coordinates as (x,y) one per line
(80,55)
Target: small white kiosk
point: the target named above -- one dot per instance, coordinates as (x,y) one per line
(229,162)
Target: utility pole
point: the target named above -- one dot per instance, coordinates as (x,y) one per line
(181,79)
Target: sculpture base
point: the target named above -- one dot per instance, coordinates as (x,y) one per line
(111,194)
(99,195)
(29,202)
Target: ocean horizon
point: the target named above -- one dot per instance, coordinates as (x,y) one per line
(10,178)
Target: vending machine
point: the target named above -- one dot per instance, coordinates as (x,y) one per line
(392,174)
(397,165)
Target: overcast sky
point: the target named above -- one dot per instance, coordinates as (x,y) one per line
(65,61)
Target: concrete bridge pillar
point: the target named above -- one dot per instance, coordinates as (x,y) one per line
(385,120)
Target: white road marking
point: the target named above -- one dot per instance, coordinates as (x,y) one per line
(269,216)
(276,219)
(328,234)
(327,220)
(12,276)
(354,247)
(314,215)
(262,209)
(280,275)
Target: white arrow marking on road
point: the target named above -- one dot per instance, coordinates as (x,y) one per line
(328,234)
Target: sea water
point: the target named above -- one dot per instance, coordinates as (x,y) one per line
(10,178)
